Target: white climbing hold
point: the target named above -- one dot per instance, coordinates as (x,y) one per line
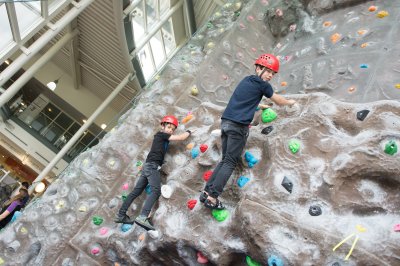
(166,191)
(216,132)
(154,234)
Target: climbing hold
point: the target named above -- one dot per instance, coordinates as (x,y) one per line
(203,148)
(391,147)
(187,118)
(363,45)
(397,86)
(242,181)
(191,204)
(361,32)
(195,152)
(279,12)
(267,130)
(287,184)
(210,45)
(372,8)
(141,237)
(360,228)
(190,146)
(292,27)
(207,175)
(210,25)
(274,261)
(139,163)
(24,230)
(148,189)
(220,215)
(363,66)
(250,18)
(126,227)
(294,145)
(194,91)
(351,89)
(327,23)
(82,208)
(154,234)
(397,228)
(1,261)
(335,37)
(103,231)
(166,191)
(201,258)
(361,115)
(283,83)
(124,196)
(315,210)
(268,115)
(97,220)
(15,216)
(250,159)
(95,250)
(125,186)
(251,262)
(382,14)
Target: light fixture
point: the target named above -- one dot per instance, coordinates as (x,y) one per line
(84,120)
(103,126)
(7,62)
(53,84)
(39,188)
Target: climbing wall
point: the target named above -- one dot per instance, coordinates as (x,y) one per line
(318,184)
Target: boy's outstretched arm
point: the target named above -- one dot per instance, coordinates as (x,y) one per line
(182,136)
(280,100)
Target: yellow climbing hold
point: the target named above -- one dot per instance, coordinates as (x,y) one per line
(23,230)
(1,260)
(82,208)
(397,86)
(85,162)
(210,45)
(382,14)
(60,204)
(360,228)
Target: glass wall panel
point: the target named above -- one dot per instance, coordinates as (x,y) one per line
(169,39)
(157,49)
(28,18)
(6,38)
(145,62)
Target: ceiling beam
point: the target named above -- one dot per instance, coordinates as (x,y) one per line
(73,48)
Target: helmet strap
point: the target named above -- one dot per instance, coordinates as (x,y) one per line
(262,72)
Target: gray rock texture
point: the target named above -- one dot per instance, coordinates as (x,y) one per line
(338,60)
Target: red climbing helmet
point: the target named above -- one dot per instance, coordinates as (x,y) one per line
(268,61)
(170,119)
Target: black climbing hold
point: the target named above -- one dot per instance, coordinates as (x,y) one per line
(267,130)
(361,115)
(336,264)
(287,184)
(315,210)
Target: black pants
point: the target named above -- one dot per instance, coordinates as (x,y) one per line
(234,138)
(150,175)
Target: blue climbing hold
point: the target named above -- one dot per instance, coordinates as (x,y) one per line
(126,227)
(242,181)
(250,159)
(195,152)
(148,189)
(363,66)
(274,261)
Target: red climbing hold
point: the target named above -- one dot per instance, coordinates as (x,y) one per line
(203,148)
(191,203)
(201,258)
(207,175)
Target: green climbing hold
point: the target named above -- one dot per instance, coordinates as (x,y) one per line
(210,25)
(237,13)
(97,220)
(124,196)
(268,115)
(139,163)
(391,147)
(294,145)
(220,215)
(251,262)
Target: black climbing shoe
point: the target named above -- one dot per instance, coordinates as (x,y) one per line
(123,219)
(217,206)
(203,197)
(144,222)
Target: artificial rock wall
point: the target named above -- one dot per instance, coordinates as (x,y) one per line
(339,59)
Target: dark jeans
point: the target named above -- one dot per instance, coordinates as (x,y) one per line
(150,175)
(234,138)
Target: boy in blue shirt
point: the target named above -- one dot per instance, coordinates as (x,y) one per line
(151,173)
(235,123)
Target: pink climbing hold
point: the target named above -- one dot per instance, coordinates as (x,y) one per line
(250,18)
(397,228)
(279,12)
(103,231)
(224,77)
(125,186)
(191,203)
(95,250)
(207,175)
(201,258)
(203,148)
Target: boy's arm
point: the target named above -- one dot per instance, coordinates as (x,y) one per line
(280,100)
(182,136)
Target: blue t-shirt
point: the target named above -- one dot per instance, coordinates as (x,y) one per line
(158,148)
(245,99)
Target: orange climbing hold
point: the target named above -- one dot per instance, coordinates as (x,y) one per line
(283,83)
(361,32)
(335,37)
(327,23)
(187,119)
(363,45)
(372,9)
(351,89)
(141,237)
(190,146)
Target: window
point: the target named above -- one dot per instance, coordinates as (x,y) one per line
(6,38)
(28,17)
